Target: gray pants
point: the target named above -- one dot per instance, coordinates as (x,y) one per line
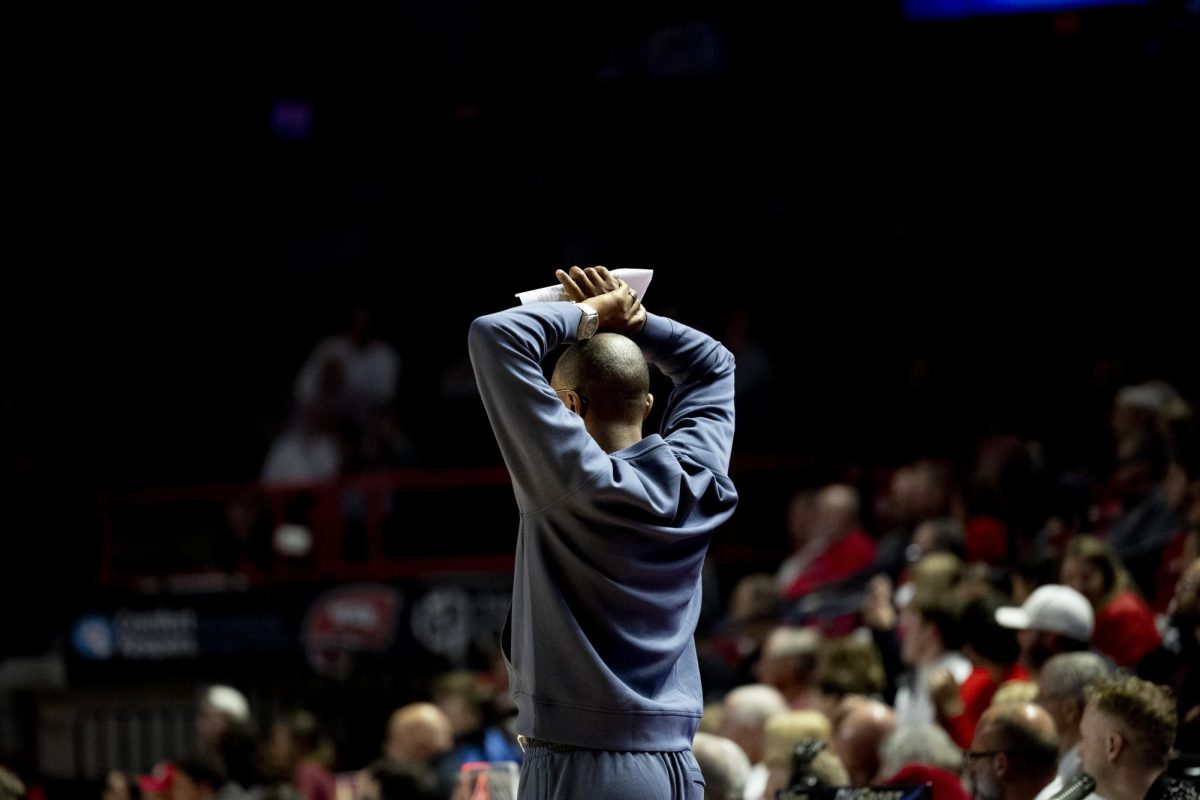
(606,775)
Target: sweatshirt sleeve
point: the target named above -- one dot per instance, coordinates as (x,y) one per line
(699,418)
(545,446)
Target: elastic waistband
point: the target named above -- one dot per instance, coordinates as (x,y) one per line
(612,729)
(528,742)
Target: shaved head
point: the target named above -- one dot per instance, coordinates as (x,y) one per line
(418,733)
(858,738)
(610,373)
(1024,728)
(1014,753)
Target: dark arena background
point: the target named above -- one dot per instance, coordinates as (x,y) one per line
(931,232)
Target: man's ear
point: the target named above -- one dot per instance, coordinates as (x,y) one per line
(1114,743)
(1000,765)
(649,405)
(572,401)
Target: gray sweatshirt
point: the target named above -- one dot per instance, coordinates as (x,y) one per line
(606,591)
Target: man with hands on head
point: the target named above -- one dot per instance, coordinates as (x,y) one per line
(614,528)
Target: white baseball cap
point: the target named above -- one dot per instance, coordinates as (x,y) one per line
(228,701)
(1054,608)
(1155,396)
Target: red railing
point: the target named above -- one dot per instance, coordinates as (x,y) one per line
(403,524)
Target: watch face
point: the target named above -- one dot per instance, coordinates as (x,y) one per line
(589,323)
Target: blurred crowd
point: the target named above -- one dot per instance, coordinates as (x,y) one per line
(995,634)
(994,631)
(423,748)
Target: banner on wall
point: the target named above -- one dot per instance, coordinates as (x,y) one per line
(347,621)
(449,622)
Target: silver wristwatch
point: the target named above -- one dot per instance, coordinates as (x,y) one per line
(588,322)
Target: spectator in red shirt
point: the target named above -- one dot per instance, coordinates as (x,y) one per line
(995,657)
(946,785)
(830,546)
(1125,629)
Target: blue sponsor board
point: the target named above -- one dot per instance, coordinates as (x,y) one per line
(451,622)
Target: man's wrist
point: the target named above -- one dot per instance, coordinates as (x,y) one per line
(589,320)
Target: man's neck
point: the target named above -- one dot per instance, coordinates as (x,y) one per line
(616,438)
(1128,784)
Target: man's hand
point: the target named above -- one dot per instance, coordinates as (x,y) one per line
(582,284)
(943,690)
(616,303)
(878,611)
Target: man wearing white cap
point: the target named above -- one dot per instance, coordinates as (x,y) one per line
(1054,619)
(220,708)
